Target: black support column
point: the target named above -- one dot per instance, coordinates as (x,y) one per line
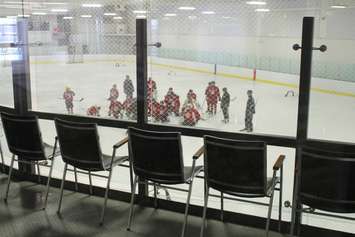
(21,79)
(142,74)
(303,104)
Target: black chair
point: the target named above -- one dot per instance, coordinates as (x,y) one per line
(80,148)
(325,181)
(158,157)
(2,159)
(24,140)
(239,168)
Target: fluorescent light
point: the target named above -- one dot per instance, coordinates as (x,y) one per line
(192,17)
(226,17)
(187,8)
(59,10)
(208,12)
(118,18)
(67,17)
(11,17)
(141,17)
(39,13)
(24,16)
(262,10)
(92,5)
(110,14)
(338,6)
(139,11)
(170,14)
(86,16)
(256,3)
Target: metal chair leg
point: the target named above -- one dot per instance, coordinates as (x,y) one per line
(38,172)
(187,209)
(132,203)
(222,207)
(9,178)
(48,184)
(62,188)
(269,212)
(299,223)
(2,160)
(76,180)
(90,181)
(204,212)
(280,198)
(155,196)
(106,197)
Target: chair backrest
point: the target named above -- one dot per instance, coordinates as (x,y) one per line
(235,167)
(156,156)
(79,144)
(327,179)
(23,136)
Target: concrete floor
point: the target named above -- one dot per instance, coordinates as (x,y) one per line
(23,216)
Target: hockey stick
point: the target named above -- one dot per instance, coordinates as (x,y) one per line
(80,100)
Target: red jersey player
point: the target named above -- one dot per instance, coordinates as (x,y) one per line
(94,111)
(68,97)
(113,98)
(151,94)
(116,109)
(191,115)
(172,101)
(212,97)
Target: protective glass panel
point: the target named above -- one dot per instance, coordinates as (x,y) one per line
(226,65)
(83,58)
(8,35)
(332,102)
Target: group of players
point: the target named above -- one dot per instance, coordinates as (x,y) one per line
(161,111)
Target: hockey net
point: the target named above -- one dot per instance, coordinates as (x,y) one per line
(75,54)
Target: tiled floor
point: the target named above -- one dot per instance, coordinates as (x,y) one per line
(23,216)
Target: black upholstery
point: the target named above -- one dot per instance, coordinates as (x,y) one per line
(236,167)
(79,144)
(23,136)
(327,179)
(157,156)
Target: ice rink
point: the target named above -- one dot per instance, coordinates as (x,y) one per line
(332,103)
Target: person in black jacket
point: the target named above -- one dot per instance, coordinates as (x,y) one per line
(128,87)
(225,102)
(249,112)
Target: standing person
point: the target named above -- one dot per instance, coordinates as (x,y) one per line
(225,102)
(249,112)
(151,94)
(212,97)
(68,97)
(113,98)
(128,87)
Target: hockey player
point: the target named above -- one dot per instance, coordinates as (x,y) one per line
(172,101)
(212,97)
(117,108)
(249,112)
(191,96)
(191,115)
(94,111)
(130,105)
(128,87)
(113,98)
(151,94)
(225,102)
(68,97)
(163,112)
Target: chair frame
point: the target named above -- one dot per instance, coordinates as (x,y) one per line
(43,163)
(156,185)
(115,148)
(278,166)
(2,159)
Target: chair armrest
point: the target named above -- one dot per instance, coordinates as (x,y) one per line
(280,161)
(121,143)
(199,153)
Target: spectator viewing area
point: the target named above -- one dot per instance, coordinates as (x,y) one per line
(180,118)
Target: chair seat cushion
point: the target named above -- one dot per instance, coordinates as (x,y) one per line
(117,160)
